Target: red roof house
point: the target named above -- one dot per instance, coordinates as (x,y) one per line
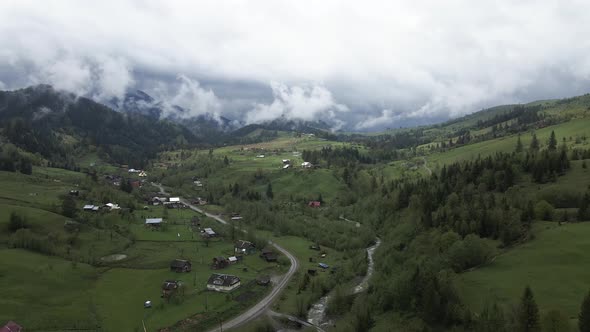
(314,204)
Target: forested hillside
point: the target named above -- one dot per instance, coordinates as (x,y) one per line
(58,126)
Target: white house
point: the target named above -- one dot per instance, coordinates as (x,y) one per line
(223,282)
(306,164)
(154,221)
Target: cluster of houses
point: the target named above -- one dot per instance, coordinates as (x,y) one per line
(116,180)
(140,173)
(169,202)
(104,207)
(217,281)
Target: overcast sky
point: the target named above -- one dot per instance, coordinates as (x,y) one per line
(363,65)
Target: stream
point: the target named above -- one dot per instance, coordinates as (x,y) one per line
(317,313)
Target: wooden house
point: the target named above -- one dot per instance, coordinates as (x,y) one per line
(223,282)
(180,265)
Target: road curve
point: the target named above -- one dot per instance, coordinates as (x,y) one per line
(260,307)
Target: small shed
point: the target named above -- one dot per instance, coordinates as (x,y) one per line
(208,233)
(323,265)
(268,255)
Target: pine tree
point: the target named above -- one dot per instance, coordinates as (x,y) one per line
(269,192)
(528,313)
(552,141)
(519,147)
(225,160)
(534,143)
(68,207)
(584,316)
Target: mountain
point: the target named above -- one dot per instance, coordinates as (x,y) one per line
(318,128)
(206,127)
(59,126)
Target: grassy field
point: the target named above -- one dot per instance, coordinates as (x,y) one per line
(66,294)
(573,129)
(554,264)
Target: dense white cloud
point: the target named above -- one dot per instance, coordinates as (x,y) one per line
(424,58)
(296,102)
(188,94)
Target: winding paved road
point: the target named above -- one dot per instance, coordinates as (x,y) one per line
(259,308)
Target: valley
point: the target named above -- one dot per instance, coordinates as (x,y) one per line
(466,215)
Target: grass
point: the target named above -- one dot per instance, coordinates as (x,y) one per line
(554,264)
(46,293)
(577,128)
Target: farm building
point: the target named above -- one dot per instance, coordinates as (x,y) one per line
(180,265)
(11,327)
(154,222)
(223,282)
(158,200)
(169,287)
(268,255)
(306,164)
(219,263)
(244,247)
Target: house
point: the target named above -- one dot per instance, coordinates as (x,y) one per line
(11,327)
(244,247)
(113,206)
(314,204)
(232,259)
(88,207)
(208,233)
(323,265)
(198,183)
(268,255)
(180,265)
(169,287)
(158,200)
(133,170)
(286,161)
(260,156)
(223,282)
(306,164)
(154,222)
(286,166)
(219,263)
(236,218)
(142,174)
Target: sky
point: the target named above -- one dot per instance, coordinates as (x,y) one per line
(359,65)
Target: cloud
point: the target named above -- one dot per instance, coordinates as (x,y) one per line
(386,117)
(424,59)
(297,102)
(189,95)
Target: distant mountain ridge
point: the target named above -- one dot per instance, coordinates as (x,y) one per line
(59,125)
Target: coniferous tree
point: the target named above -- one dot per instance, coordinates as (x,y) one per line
(534,143)
(68,207)
(552,141)
(528,313)
(584,316)
(519,146)
(269,192)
